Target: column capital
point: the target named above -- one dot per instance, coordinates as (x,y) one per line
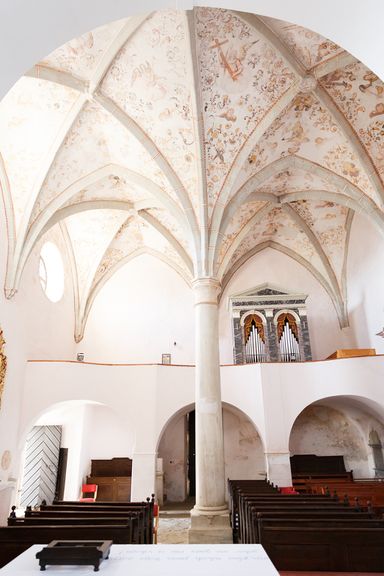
(206,290)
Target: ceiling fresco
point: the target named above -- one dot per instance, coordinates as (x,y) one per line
(198,137)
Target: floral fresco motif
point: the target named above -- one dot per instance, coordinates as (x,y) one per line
(359,93)
(278,227)
(307,129)
(295,180)
(327,221)
(137,235)
(200,126)
(30,116)
(88,247)
(81,55)
(310,48)
(237,223)
(99,141)
(151,81)
(241,78)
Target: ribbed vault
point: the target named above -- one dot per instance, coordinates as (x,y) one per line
(198,137)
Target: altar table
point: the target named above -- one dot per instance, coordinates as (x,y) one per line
(160,560)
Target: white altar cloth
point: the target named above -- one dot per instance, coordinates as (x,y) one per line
(160,560)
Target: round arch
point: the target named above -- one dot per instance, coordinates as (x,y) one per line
(88,429)
(244,452)
(342,425)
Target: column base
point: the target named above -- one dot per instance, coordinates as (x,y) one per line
(210,526)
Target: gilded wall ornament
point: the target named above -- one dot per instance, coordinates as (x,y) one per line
(3,364)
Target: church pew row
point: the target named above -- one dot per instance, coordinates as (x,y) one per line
(261,490)
(16,539)
(247,503)
(130,523)
(248,518)
(365,492)
(309,532)
(33,517)
(299,480)
(248,528)
(102,508)
(262,487)
(332,549)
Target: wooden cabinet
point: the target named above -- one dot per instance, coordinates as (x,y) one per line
(113,478)
(112,488)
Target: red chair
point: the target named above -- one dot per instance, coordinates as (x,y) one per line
(156,513)
(88,493)
(288,490)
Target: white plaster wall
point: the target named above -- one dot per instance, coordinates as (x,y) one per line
(140,313)
(366,285)
(172,449)
(277,268)
(147,397)
(325,431)
(48,326)
(243,448)
(33,327)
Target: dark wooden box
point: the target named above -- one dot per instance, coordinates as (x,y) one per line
(74,552)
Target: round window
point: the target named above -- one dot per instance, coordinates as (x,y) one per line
(51,272)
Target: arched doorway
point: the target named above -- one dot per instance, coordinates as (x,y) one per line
(77,431)
(243,451)
(341,426)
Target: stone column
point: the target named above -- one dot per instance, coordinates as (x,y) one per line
(279,468)
(209,518)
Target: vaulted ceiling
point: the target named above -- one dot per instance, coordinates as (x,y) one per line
(198,137)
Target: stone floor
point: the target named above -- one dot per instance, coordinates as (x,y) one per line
(173,530)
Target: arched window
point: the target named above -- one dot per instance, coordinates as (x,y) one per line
(51,272)
(288,338)
(254,338)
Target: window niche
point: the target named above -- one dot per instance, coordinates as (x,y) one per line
(270,325)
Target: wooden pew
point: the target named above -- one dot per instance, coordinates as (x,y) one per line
(299,481)
(15,539)
(333,549)
(32,517)
(249,516)
(234,486)
(109,508)
(372,492)
(310,518)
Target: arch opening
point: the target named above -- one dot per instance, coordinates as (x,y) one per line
(243,452)
(350,428)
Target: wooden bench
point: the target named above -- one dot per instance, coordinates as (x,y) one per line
(106,508)
(300,481)
(365,492)
(15,539)
(248,520)
(333,549)
(234,487)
